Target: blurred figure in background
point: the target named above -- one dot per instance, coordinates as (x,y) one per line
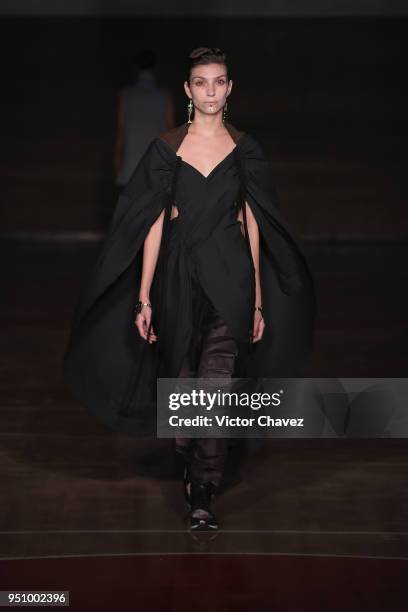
(145,109)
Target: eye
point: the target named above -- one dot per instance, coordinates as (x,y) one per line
(221,81)
(198,82)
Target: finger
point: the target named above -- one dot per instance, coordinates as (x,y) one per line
(149,327)
(260,330)
(151,335)
(141,326)
(142,331)
(256,337)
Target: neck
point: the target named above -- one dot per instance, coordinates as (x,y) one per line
(207,125)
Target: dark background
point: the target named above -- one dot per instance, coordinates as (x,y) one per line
(327,98)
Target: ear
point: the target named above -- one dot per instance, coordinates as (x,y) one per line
(229,87)
(187,89)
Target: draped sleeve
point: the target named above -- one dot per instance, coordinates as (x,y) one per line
(138,206)
(287,284)
(108,367)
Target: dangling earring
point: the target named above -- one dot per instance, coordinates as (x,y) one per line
(190,108)
(225,110)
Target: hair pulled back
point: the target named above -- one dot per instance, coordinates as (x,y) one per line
(205,55)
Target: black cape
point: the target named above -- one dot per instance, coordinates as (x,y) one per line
(110,369)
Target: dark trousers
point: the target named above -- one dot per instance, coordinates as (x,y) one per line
(212,354)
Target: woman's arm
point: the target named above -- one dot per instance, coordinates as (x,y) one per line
(151,249)
(150,255)
(253,232)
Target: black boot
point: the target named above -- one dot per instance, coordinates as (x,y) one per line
(201,517)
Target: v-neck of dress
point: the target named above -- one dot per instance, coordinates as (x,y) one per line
(216,167)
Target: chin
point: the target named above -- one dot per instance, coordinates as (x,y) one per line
(215,109)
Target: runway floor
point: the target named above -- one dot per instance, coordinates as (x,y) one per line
(72,488)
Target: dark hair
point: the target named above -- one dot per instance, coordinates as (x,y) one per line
(205,55)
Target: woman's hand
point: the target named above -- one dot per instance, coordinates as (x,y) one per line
(142,322)
(259,326)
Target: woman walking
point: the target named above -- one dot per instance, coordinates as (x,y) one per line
(222,284)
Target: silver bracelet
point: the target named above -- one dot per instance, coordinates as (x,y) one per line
(140,305)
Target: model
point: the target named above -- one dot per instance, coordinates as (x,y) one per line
(199,275)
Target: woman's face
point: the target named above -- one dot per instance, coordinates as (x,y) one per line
(209,88)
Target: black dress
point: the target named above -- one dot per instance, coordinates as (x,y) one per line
(113,371)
